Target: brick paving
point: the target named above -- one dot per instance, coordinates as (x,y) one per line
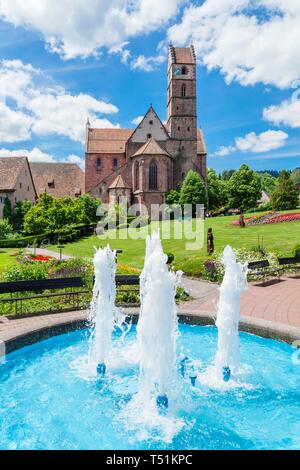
(278,302)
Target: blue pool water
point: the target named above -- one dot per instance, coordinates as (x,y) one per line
(46,402)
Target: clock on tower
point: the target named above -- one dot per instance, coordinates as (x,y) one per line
(177,71)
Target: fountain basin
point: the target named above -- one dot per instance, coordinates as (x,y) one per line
(47,402)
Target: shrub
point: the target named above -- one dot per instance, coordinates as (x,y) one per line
(297,251)
(285,195)
(265,207)
(67,234)
(25,242)
(181,295)
(193,191)
(192,266)
(126,269)
(7,209)
(75,267)
(217,190)
(5,229)
(128,297)
(21,209)
(61,236)
(244,189)
(213,270)
(52,214)
(26,272)
(173,197)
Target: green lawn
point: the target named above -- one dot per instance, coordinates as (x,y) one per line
(6,259)
(280,238)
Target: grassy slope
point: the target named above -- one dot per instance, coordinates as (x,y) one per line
(280,238)
(5,259)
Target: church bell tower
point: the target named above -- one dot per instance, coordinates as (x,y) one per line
(182,109)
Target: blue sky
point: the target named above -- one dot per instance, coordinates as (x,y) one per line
(112,66)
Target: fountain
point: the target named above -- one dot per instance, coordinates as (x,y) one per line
(131,412)
(104,315)
(157,328)
(228,316)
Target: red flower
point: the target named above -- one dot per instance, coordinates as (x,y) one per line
(41,258)
(284,218)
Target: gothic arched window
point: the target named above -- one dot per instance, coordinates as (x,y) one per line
(153,176)
(137,176)
(183,90)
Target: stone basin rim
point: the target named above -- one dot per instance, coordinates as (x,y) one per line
(263,328)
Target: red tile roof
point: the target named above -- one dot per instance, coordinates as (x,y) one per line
(151,147)
(108,140)
(10,168)
(114,141)
(119,183)
(184,55)
(67,179)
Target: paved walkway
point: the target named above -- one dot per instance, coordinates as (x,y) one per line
(52,254)
(21,326)
(277,301)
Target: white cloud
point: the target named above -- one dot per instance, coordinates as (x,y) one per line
(91,25)
(287,113)
(140,62)
(77,160)
(122,50)
(248,41)
(65,115)
(36,155)
(264,142)
(147,64)
(253,143)
(14,125)
(224,151)
(41,108)
(136,121)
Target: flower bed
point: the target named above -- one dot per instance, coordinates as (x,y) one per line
(283,218)
(41,258)
(270,218)
(261,218)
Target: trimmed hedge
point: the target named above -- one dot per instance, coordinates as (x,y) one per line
(65,235)
(25,241)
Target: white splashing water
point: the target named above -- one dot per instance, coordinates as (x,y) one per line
(104,315)
(157,329)
(228,317)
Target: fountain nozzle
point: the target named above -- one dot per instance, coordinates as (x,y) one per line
(193,379)
(101,369)
(226,374)
(162,401)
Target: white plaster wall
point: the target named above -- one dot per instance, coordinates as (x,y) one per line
(156,129)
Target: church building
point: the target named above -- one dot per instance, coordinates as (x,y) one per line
(144,164)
